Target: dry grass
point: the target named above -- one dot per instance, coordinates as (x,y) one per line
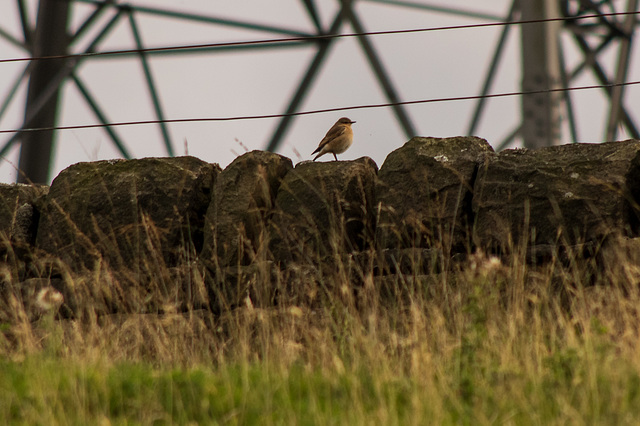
(481,341)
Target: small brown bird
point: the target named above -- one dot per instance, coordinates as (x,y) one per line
(337,140)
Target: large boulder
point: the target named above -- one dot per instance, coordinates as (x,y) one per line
(424,193)
(18,211)
(557,196)
(132,214)
(243,198)
(19,215)
(324,209)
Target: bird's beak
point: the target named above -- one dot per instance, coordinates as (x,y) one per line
(352,122)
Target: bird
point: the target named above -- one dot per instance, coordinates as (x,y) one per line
(337,140)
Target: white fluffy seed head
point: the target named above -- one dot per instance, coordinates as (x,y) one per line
(49,298)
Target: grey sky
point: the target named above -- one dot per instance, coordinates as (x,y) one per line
(422,66)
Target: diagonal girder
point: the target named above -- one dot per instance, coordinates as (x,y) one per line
(621,71)
(346,13)
(151,85)
(305,83)
(93,104)
(491,72)
(601,76)
(49,40)
(56,80)
(378,68)
(615,31)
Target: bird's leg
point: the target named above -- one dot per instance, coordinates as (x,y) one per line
(335,156)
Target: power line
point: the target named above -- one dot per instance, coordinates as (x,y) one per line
(311,38)
(318,111)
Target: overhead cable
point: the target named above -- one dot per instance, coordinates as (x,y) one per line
(316,38)
(318,111)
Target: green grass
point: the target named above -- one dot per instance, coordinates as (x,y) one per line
(37,391)
(483,343)
(581,385)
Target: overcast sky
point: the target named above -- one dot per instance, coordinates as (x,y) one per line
(438,64)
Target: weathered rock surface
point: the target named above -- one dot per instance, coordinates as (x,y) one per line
(243,199)
(126,213)
(561,195)
(424,192)
(130,236)
(254,285)
(323,209)
(18,216)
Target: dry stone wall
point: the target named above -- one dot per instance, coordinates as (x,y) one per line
(124,212)
(179,229)
(562,195)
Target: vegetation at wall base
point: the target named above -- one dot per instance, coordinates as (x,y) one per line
(452,286)
(485,341)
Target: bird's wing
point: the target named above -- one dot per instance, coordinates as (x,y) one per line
(333,133)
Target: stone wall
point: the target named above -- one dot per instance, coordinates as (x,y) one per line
(185,233)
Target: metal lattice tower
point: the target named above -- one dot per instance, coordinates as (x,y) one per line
(544,65)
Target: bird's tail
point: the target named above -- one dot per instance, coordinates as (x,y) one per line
(318,149)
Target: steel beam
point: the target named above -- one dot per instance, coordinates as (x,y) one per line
(379,71)
(151,85)
(601,76)
(50,40)
(11,39)
(568,102)
(93,104)
(313,14)
(621,72)
(510,138)
(27,31)
(305,83)
(91,19)
(491,72)
(441,9)
(12,91)
(47,93)
(203,18)
(541,113)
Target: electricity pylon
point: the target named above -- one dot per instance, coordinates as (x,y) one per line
(593,27)
(544,65)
